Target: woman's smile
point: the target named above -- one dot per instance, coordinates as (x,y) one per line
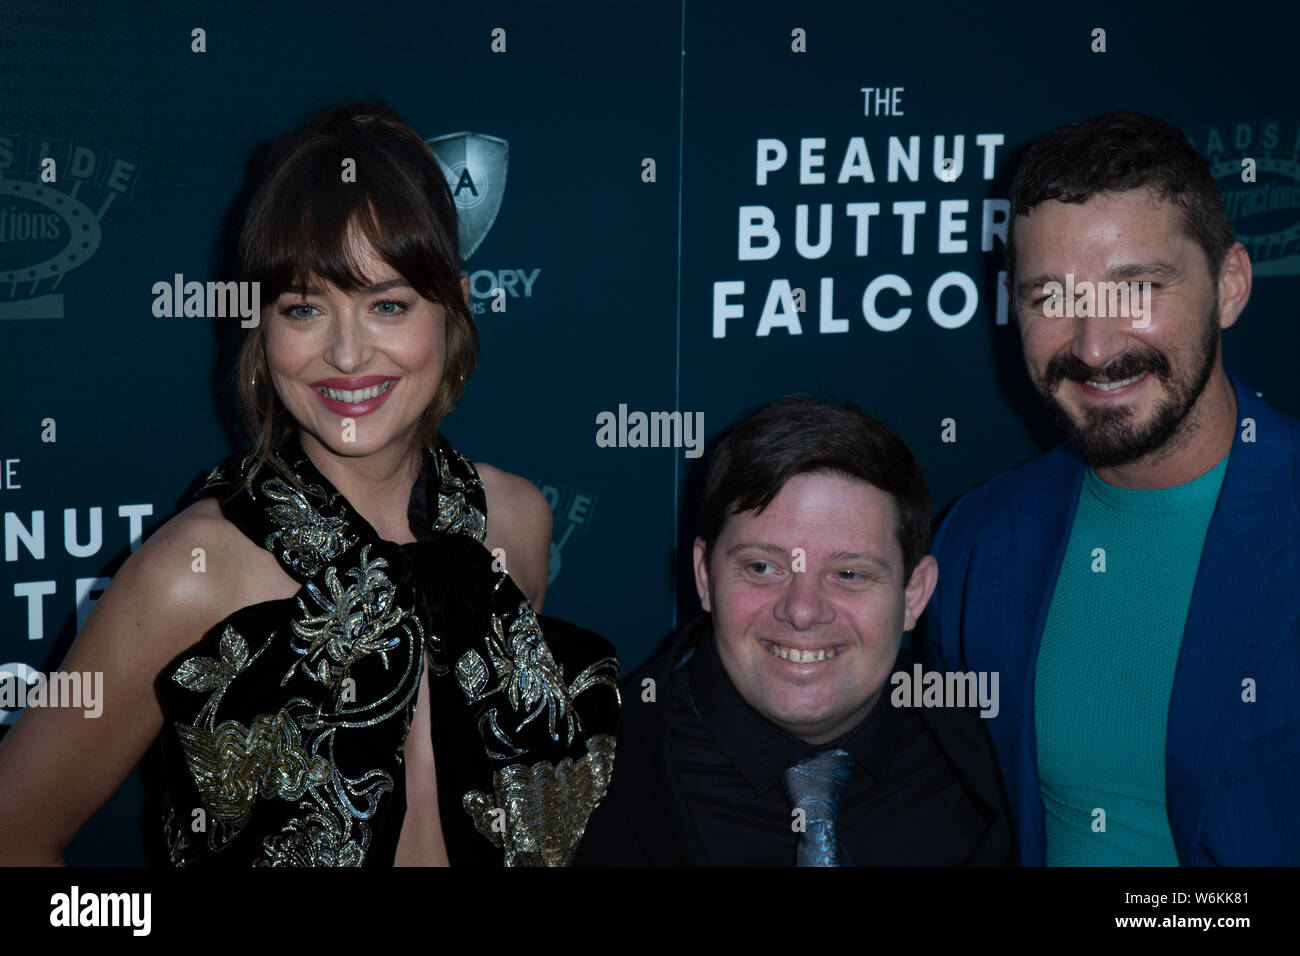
(353,397)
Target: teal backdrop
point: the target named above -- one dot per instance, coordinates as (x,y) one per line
(646,237)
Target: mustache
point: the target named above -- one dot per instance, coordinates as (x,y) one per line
(1125,366)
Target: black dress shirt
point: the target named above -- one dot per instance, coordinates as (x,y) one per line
(903,805)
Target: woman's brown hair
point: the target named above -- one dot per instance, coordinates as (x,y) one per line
(296,229)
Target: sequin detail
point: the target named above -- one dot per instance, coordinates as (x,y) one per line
(307,537)
(286,755)
(538,813)
(294,750)
(354,621)
(456,514)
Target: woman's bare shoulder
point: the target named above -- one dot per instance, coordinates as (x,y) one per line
(198,568)
(518,497)
(518,521)
(185,578)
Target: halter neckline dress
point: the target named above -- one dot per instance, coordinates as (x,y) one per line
(285,723)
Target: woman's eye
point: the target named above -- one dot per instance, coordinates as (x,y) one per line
(294,311)
(390,307)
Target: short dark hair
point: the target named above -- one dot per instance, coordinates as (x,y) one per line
(1115,153)
(296,227)
(799,435)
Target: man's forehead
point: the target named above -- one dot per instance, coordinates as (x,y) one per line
(848,516)
(1146,200)
(1112,235)
(816,492)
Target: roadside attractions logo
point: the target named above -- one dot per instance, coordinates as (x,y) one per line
(572,509)
(54,194)
(1257,166)
(475,165)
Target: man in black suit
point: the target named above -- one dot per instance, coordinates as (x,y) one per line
(764,733)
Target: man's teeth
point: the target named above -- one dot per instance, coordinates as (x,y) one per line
(352,397)
(796,656)
(1111,386)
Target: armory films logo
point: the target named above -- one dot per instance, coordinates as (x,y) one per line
(475,165)
(1257,166)
(54,194)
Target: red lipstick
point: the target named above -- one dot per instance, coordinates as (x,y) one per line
(350,406)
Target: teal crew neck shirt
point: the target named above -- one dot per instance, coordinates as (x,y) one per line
(1106,666)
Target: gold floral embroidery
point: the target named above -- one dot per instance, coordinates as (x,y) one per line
(456,514)
(543,808)
(531,678)
(472,675)
(178,850)
(289,755)
(360,619)
(314,840)
(208,674)
(307,538)
(347,615)
(233,766)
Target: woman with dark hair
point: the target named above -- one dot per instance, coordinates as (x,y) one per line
(277,631)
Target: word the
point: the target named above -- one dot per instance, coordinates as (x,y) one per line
(889,100)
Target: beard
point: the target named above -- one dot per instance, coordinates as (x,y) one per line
(1108,437)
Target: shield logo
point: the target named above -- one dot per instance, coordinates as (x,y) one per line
(475,167)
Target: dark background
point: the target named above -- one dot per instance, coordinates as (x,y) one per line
(621,311)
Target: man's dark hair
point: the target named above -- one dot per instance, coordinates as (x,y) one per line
(1115,153)
(798,435)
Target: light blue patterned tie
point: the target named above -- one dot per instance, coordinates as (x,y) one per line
(815,785)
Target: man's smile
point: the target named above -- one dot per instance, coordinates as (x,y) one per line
(804,655)
(1117,389)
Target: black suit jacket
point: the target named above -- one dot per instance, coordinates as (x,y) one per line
(644,820)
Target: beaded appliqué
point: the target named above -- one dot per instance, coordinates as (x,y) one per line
(307,538)
(539,812)
(351,622)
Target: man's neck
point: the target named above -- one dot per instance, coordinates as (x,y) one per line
(1201,441)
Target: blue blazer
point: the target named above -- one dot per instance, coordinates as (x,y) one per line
(1232,768)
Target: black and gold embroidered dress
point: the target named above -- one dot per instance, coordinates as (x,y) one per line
(285,724)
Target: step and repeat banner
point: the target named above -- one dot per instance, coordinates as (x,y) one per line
(685,208)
